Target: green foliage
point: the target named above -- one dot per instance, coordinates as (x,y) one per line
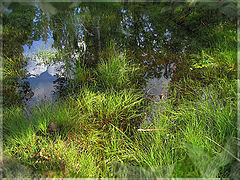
(193,122)
(14,123)
(208,167)
(202,61)
(77,148)
(17,28)
(82,76)
(217,74)
(122,109)
(223,44)
(92,133)
(117,73)
(12,72)
(46,55)
(12,68)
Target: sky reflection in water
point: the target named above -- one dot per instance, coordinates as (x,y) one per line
(41,75)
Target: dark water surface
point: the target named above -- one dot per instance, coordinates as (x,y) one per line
(53,36)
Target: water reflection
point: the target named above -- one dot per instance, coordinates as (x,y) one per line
(57,41)
(41,71)
(42,88)
(156,88)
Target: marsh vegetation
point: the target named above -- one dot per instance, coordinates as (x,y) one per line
(141,90)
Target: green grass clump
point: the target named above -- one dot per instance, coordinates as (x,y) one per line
(186,133)
(86,140)
(113,72)
(117,73)
(222,45)
(14,123)
(93,131)
(82,76)
(91,134)
(188,86)
(122,109)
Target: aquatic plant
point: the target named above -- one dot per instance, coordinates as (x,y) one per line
(83,76)
(122,109)
(192,122)
(72,150)
(117,73)
(92,132)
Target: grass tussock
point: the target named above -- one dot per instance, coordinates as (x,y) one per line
(116,72)
(186,133)
(123,109)
(86,134)
(92,133)
(88,140)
